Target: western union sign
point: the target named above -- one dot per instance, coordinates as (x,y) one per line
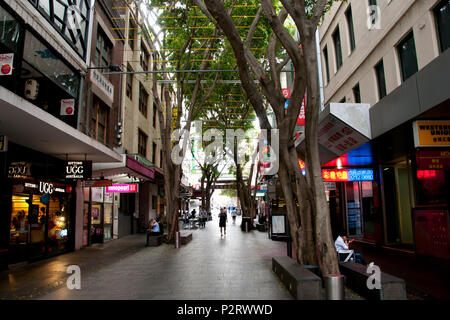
(431,133)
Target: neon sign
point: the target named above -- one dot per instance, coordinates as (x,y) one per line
(118,188)
(343,175)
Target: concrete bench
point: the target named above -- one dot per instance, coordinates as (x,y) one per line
(392,288)
(185,237)
(154,241)
(301,283)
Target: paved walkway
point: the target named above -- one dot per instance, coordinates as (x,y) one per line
(236,266)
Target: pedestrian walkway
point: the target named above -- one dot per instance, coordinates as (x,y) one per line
(235,266)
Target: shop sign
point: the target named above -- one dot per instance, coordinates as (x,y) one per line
(433,159)
(78,169)
(122,188)
(46,187)
(101,82)
(329,186)
(343,175)
(67,107)
(3,143)
(6,64)
(338,137)
(19,170)
(430,133)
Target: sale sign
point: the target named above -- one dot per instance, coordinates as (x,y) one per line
(67,107)
(6,64)
(286,93)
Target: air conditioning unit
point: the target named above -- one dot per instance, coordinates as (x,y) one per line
(31,89)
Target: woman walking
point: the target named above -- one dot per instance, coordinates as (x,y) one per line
(223,219)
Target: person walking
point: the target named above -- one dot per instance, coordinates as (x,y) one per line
(233,215)
(223,219)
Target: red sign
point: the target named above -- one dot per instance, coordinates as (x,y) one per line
(6,62)
(301,164)
(433,159)
(67,107)
(286,93)
(301,116)
(335,175)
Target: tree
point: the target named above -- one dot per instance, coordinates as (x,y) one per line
(306,204)
(181,48)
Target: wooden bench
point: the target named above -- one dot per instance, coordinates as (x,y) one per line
(392,288)
(301,282)
(185,237)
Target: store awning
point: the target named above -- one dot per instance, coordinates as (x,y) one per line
(30,126)
(129,170)
(343,127)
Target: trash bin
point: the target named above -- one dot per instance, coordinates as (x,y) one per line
(334,287)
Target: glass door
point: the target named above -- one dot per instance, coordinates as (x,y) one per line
(353,204)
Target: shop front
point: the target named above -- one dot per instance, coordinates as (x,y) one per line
(41,219)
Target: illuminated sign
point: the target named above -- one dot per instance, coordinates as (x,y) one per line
(342,175)
(431,133)
(118,188)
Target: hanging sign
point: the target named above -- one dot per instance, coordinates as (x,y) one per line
(19,170)
(434,159)
(6,64)
(286,93)
(67,107)
(430,133)
(102,83)
(78,169)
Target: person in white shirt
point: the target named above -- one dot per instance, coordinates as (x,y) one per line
(342,246)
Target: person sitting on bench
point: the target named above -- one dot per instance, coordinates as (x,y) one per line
(342,247)
(154,228)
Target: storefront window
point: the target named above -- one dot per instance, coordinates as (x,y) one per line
(9,32)
(46,61)
(354,216)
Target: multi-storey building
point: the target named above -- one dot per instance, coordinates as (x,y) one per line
(393,57)
(54,134)
(139,137)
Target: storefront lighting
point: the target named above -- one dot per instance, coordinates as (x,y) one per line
(339,163)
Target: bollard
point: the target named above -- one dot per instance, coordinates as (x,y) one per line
(177,240)
(334,287)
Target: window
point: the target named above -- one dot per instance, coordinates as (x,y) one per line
(160,158)
(337,48)
(143,99)
(102,49)
(327,65)
(99,120)
(372,2)
(131,35)
(343,100)
(154,153)
(351,30)
(381,81)
(144,57)
(154,202)
(407,55)
(129,82)
(357,94)
(155,115)
(58,13)
(442,16)
(142,143)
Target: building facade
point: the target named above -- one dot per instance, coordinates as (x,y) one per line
(394,57)
(44,56)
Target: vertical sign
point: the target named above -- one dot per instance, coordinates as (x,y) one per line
(6,64)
